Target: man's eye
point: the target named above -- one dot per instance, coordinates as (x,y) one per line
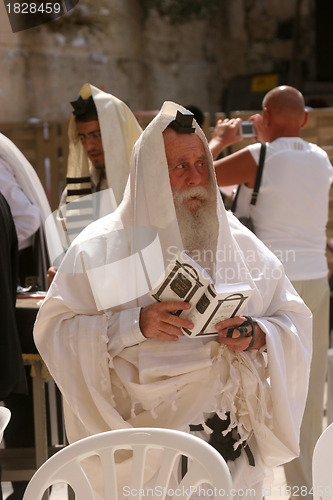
(202,165)
(82,138)
(97,135)
(180,166)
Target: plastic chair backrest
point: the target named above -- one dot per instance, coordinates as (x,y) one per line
(322,466)
(4,420)
(205,465)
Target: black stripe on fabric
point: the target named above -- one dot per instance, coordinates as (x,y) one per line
(77,180)
(74,192)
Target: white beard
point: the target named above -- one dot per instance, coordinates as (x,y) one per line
(199,225)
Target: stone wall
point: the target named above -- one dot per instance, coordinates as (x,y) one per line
(145,60)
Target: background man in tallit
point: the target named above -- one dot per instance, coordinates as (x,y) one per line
(30,208)
(102,132)
(119,358)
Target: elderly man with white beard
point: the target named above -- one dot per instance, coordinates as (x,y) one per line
(120,359)
(195,203)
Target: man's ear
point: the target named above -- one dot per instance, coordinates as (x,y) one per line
(305,120)
(266,116)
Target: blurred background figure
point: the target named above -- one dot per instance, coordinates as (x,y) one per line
(24,208)
(29,206)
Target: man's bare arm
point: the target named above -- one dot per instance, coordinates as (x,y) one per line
(237,168)
(226,132)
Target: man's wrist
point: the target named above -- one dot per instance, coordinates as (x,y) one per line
(216,145)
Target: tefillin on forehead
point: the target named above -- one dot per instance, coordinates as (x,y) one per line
(83,106)
(183,123)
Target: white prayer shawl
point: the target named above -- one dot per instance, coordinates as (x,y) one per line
(156,383)
(119,132)
(30,184)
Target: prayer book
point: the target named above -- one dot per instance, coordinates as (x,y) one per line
(186,280)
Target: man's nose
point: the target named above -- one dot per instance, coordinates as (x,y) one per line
(89,143)
(194,176)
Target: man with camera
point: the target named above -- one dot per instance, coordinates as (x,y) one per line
(290,217)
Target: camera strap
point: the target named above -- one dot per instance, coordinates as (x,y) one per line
(257,181)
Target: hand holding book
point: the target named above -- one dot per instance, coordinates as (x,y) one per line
(236,342)
(159,321)
(210,304)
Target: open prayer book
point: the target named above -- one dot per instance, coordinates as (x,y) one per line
(185,280)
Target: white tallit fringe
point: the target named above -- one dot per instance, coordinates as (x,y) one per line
(244,408)
(207,429)
(233,383)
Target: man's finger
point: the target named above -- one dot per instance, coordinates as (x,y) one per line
(167,336)
(230,322)
(177,321)
(170,329)
(173,305)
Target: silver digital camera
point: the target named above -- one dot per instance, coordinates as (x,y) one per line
(246,129)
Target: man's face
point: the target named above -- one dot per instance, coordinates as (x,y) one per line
(90,136)
(188,165)
(194,192)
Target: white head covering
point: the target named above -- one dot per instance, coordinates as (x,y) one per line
(119,132)
(116,262)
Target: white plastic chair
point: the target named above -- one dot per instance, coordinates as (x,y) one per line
(4,420)
(205,465)
(322,466)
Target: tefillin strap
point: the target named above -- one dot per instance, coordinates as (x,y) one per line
(82,106)
(183,123)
